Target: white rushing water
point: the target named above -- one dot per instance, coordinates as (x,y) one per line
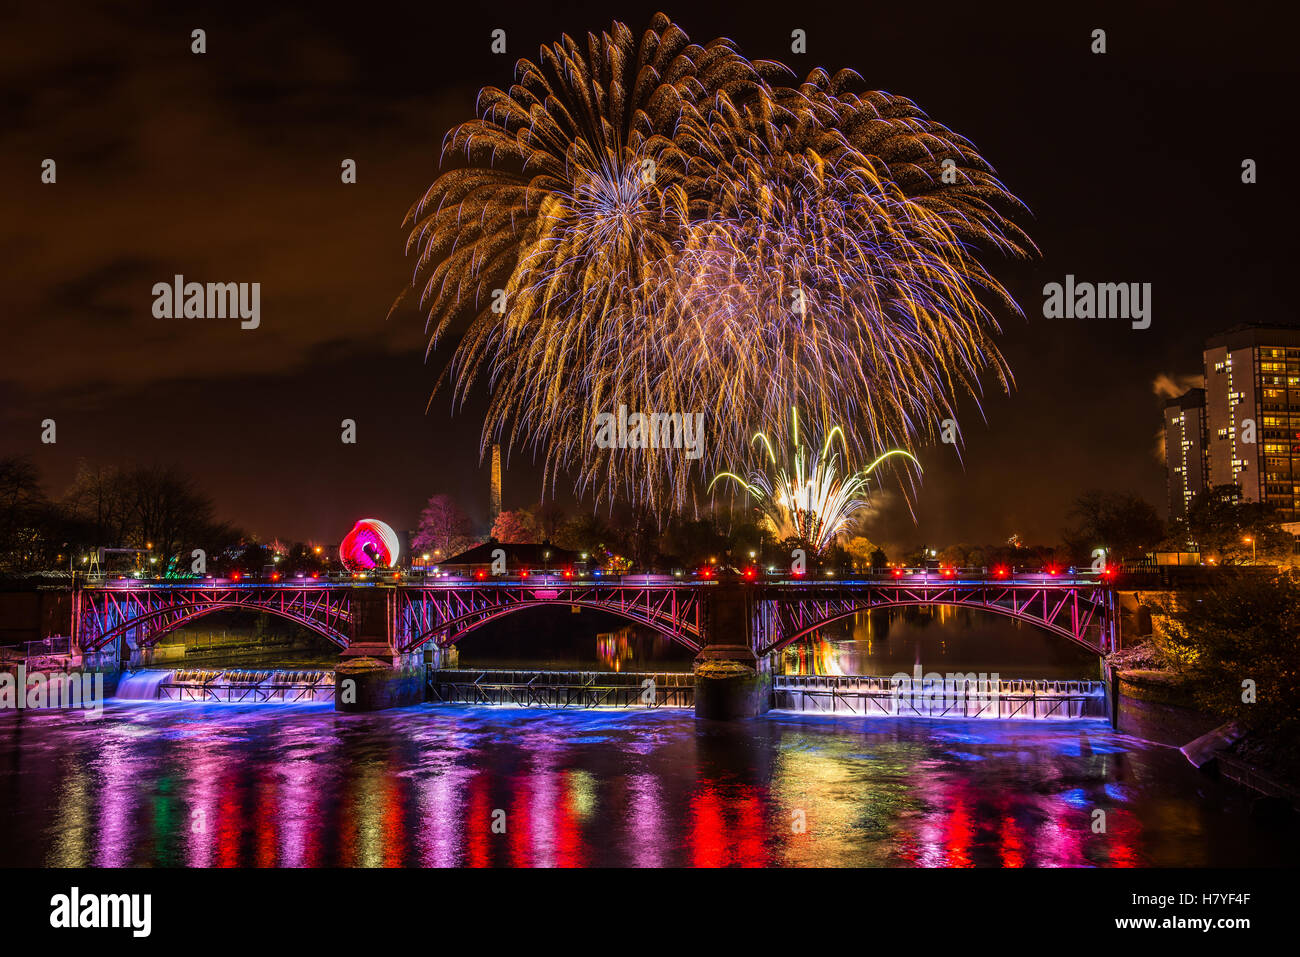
(141,685)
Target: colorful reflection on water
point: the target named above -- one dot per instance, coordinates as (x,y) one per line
(288,785)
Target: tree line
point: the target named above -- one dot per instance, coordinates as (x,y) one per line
(155,508)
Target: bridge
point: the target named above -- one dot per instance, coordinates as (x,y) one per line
(405,618)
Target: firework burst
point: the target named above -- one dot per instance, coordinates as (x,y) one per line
(814,496)
(671,229)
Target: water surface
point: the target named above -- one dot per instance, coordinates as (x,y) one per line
(290,785)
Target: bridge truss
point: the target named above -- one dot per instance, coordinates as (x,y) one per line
(144,613)
(1080,611)
(445,614)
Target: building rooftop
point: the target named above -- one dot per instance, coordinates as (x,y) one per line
(1255,334)
(1191,399)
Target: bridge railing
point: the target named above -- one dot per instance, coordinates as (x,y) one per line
(46,647)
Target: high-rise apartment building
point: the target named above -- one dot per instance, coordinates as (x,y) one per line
(1185,451)
(1252,413)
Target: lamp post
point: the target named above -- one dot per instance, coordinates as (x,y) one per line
(1251,539)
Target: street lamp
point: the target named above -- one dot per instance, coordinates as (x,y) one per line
(1250,539)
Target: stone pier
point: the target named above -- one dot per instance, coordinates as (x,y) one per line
(730,681)
(373,675)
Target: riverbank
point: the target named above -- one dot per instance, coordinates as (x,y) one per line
(1159,706)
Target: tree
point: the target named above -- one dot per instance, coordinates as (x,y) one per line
(693,542)
(861,552)
(1225,527)
(22,505)
(444,529)
(165,510)
(1243,629)
(584,533)
(97,497)
(956,556)
(1123,524)
(516,527)
(549,518)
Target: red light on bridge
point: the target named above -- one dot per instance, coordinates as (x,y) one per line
(1000,571)
(275,576)
(898,573)
(235,576)
(568,573)
(750,574)
(706,572)
(315,574)
(480,574)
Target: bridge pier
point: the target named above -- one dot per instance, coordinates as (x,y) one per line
(105,663)
(730,680)
(374,675)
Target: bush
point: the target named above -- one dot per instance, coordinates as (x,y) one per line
(1242,630)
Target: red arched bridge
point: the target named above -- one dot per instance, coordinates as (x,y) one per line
(407,617)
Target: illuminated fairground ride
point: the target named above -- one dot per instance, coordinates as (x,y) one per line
(371,544)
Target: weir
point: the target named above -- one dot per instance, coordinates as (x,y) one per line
(1003,698)
(562,689)
(230,686)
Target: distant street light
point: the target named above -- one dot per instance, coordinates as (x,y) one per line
(1248,538)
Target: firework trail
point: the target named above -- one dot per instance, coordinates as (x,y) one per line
(675,231)
(813,497)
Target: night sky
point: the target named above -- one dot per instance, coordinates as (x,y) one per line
(225,167)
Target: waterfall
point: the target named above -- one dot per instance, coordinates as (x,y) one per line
(141,685)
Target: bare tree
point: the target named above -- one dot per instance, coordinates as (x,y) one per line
(444,528)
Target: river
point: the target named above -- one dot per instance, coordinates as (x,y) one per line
(298,785)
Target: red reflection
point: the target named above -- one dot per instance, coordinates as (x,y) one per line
(568,832)
(229,824)
(707,838)
(479,824)
(727,832)
(1010,843)
(394,817)
(520,826)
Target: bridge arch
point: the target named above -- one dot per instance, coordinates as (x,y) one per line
(111,617)
(1081,613)
(1050,629)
